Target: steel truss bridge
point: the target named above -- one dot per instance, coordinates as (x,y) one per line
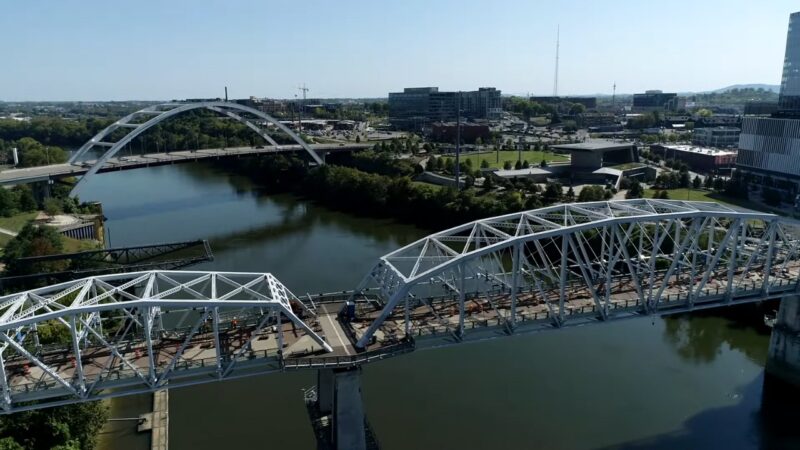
(545,269)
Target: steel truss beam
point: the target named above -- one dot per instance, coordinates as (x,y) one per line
(595,255)
(126,330)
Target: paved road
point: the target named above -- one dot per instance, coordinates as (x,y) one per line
(121,162)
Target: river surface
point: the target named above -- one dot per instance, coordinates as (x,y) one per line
(688,382)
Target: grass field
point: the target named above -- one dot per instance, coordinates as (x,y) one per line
(534,158)
(15,223)
(700,195)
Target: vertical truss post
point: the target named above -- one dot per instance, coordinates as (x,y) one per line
(77,353)
(280,334)
(407,317)
(770,254)
(732,263)
(609,268)
(515,282)
(151,359)
(652,264)
(461,299)
(217,344)
(562,292)
(4,382)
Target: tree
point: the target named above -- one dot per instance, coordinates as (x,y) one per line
(708,183)
(358,139)
(635,190)
(8,204)
(543,164)
(484,164)
(488,182)
(696,183)
(507,165)
(25,200)
(518,165)
(704,113)
(52,206)
(685,181)
(570,196)
(552,193)
(32,240)
(663,195)
(430,165)
(525,164)
(69,427)
(591,194)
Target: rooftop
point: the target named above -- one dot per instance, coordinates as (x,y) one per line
(702,150)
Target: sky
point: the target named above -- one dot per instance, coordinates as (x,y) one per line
(162,50)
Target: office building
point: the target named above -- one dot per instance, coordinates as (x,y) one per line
(700,159)
(790,81)
(716,137)
(470,132)
(770,147)
(415,108)
(657,100)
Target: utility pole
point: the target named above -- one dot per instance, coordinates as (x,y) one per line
(226,93)
(458,140)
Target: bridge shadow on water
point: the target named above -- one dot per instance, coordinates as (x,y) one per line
(765,418)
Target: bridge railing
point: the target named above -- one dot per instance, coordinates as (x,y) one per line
(318,362)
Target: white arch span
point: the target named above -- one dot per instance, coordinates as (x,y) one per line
(165,111)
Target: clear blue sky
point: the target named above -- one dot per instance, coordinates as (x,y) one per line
(143,49)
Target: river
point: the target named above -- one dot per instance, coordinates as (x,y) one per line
(687,382)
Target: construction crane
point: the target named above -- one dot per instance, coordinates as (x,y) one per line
(304,90)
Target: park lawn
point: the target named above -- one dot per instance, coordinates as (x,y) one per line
(428,185)
(74,245)
(533,157)
(17,222)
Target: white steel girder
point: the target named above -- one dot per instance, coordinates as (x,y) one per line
(648,249)
(114,325)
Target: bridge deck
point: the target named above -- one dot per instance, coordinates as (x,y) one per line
(57,171)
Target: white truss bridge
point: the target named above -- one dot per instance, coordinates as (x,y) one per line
(559,266)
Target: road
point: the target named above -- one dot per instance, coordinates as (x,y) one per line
(56,171)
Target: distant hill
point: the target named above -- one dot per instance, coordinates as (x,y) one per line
(776,88)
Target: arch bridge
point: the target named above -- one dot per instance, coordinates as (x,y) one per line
(554,267)
(129,127)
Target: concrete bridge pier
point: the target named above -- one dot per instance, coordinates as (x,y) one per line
(784,345)
(339,398)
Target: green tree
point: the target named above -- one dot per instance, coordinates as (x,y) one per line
(570,196)
(507,165)
(32,240)
(697,182)
(8,203)
(635,190)
(25,200)
(484,164)
(543,164)
(525,164)
(52,206)
(552,193)
(591,194)
(518,165)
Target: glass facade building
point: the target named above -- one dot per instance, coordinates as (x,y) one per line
(790,82)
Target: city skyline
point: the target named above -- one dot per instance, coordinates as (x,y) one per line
(151,51)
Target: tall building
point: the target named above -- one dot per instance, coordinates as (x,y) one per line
(415,108)
(769,147)
(716,136)
(790,82)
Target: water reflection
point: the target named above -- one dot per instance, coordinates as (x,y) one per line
(702,336)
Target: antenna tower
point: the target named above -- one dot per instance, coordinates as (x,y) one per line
(555,80)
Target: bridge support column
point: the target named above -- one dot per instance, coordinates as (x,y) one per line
(339,397)
(784,344)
